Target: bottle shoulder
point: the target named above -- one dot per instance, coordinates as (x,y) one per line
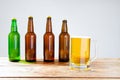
(30,35)
(14,34)
(64,34)
(48,34)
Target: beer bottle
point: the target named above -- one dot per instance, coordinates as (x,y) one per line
(64,39)
(30,42)
(48,42)
(14,43)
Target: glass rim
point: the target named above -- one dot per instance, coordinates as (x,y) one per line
(80,37)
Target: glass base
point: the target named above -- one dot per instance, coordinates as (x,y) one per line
(82,67)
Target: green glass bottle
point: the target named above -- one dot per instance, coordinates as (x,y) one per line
(14,43)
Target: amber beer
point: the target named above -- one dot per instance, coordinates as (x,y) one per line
(64,39)
(30,42)
(48,42)
(80,51)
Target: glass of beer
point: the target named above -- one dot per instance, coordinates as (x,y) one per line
(80,53)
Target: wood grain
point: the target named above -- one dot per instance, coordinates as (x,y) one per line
(102,69)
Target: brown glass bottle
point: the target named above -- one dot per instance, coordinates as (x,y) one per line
(30,42)
(64,40)
(48,42)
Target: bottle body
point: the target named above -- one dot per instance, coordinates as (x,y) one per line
(64,40)
(48,47)
(14,44)
(30,47)
(30,42)
(48,41)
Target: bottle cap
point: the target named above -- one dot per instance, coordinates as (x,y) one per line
(64,20)
(49,17)
(30,17)
(13,19)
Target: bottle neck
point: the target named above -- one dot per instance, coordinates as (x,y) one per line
(14,25)
(49,25)
(64,26)
(30,24)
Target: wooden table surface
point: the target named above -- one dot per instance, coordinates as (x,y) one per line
(102,69)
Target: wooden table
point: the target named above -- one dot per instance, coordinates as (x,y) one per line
(102,69)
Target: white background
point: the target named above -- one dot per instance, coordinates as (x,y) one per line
(99,19)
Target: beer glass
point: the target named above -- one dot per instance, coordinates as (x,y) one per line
(80,52)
